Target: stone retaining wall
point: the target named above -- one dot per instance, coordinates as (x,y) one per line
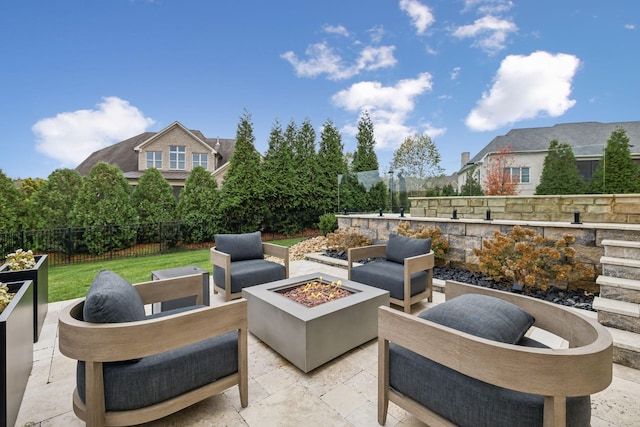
(600,208)
(465,234)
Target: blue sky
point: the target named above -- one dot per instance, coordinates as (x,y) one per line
(79,75)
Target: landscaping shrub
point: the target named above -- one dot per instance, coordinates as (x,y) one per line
(328,223)
(345,238)
(439,245)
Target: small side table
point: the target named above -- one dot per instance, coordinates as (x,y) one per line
(171,273)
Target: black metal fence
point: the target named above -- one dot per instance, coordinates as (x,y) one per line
(75,244)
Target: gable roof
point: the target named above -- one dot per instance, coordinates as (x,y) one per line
(121,154)
(124,154)
(588,139)
(197,135)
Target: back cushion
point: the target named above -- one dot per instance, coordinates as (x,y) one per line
(400,247)
(482,316)
(240,246)
(112,299)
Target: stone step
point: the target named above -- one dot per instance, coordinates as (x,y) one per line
(618,288)
(621,249)
(618,314)
(626,348)
(620,267)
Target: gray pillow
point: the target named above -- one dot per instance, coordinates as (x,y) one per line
(400,247)
(240,246)
(112,299)
(482,316)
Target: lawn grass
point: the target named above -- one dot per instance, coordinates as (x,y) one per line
(72,281)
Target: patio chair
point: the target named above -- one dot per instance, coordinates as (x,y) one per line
(468,362)
(239,262)
(404,268)
(134,368)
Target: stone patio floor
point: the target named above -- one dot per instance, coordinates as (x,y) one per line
(342,392)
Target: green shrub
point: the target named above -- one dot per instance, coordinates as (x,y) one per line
(328,223)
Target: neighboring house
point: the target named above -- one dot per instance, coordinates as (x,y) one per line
(529,147)
(174,151)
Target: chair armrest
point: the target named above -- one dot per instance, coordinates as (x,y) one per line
(168,289)
(419,263)
(364,252)
(220,259)
(109,342)
(549,372)
(277,251)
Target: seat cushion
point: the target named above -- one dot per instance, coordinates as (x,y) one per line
(163,376)
(389,276)
(483,316)
(400,247)
(112,299)
(249,273)
(240,246)
(466,401)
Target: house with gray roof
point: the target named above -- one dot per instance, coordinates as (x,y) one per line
(530,146)
(174,151)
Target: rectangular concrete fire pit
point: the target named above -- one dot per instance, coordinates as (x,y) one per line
(310,337)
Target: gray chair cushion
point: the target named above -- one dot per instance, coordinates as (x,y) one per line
(389,276)
(163,376)
(240,246)
(466,401)
(249,273)
(112,299)
(400,247)
(482,316)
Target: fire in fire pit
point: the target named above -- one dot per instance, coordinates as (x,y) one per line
(315,292)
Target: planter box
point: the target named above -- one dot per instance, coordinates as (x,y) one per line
(40,277)
(16,346)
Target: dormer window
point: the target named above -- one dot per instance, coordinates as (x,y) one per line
(200,159)
(154,159)
(177,156)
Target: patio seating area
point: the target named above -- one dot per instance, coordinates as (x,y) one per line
(342,392)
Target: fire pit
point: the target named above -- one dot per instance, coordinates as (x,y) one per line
(311,336)
(315,292)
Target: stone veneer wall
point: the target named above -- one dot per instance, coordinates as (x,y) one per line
(600,208)
(465,234)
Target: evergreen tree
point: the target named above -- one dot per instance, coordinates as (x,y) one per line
(560,173)
(616,173)
(104,207)
(279,180)
(365,160)
(155,204)
(471,186)
(305,159)
(197,206)
(28,210)
(331,163)
(9,202)
(242,205)
(55,196)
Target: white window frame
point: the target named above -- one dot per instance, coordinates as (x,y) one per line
(177,157)
(154,159)
(200,159)
(518,173)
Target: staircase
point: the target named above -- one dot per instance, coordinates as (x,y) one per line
(618,305)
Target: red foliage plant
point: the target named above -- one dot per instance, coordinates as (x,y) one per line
(497,180)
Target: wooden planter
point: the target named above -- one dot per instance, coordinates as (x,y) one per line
(40,277)
(16,347)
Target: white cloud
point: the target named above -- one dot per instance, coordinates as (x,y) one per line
(630,26)
(420,14)
(388,106)
(526,87)
(323,60)
(336,29)
(71,137)
(490,33)
(455,73)
(489,6)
